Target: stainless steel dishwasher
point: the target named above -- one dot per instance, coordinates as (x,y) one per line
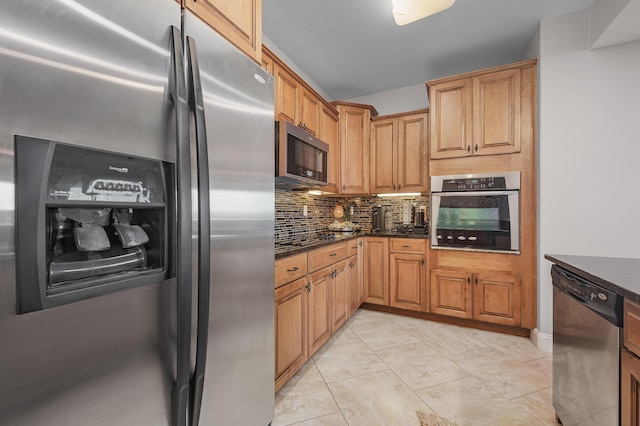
(587,326)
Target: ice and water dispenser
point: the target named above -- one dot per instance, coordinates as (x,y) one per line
(89,222)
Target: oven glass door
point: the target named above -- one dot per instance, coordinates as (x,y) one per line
(485,220)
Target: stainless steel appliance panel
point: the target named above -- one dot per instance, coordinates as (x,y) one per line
(586,363)
(238,102)
(90,73)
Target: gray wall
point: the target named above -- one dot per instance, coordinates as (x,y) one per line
(589,149)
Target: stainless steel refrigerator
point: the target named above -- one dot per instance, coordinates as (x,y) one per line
(136,219)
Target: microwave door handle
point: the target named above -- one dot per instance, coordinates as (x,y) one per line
(180,392)
(196,103)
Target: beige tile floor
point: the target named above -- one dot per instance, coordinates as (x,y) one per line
(390,370)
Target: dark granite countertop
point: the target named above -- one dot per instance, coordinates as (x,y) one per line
(620,275)
(284,250)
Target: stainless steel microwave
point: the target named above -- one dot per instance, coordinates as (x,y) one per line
(301,158)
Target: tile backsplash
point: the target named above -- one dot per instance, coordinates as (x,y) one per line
(292,226)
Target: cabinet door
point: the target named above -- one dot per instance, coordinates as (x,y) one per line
(451,119)
(354,147)
(319,309)
(329,133)
(309,112)
(290,330)
(339,295)
(376,270)
(355,283)
(629,389)
(496,298)
(451,293)
(267,63)
(239,21)
(496,108)
(287,95)
(412,153)
(383,155)
(407,281)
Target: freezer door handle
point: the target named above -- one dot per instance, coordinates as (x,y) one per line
(178,95)
(196,103)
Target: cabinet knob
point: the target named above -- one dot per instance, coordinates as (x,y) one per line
(476,280)
(468,148)
(308,286)
(422,262)
(476,147)
(468,280)
(333,254)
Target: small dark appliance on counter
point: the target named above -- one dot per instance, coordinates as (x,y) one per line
(381,219)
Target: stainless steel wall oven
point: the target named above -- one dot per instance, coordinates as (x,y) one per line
(476,211)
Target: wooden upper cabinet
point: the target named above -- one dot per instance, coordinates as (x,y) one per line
(287,94)
(310,109)
(383,161)
(355,122)
(268,63)
(479,113)
(239,21)
(295,101)
(329,133)
(451,119)
(398,160)
(496,106)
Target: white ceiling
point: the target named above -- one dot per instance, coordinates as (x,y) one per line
(353,48)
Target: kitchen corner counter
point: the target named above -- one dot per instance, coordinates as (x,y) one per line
(620,275)
(284,250)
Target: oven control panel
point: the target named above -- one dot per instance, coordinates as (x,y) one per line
(474,184)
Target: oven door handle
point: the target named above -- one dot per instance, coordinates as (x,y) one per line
(476,193)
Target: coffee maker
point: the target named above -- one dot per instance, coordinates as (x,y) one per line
(379,215)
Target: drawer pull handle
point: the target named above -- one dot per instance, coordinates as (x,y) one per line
(333,254)
(295,269)
(406,246)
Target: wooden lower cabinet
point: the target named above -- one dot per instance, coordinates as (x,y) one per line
(629,389)
(487,297)
(310,309)
(354,274)
(376,270)
(290,330)
(354,278)
(340,292)
(407,281)
(319,308)
(496,298)
(451,293)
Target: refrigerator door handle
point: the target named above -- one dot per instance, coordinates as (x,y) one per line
(196,103)
(178,95)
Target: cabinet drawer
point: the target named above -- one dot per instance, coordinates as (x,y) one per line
(352,246)
(325,256)
(407,245)
(632,327)
(290,268)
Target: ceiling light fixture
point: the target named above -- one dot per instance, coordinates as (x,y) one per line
(407,11)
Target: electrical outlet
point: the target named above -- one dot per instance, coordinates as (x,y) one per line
(305,211)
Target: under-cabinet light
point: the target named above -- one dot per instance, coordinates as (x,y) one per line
(400,194)
(315,192)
